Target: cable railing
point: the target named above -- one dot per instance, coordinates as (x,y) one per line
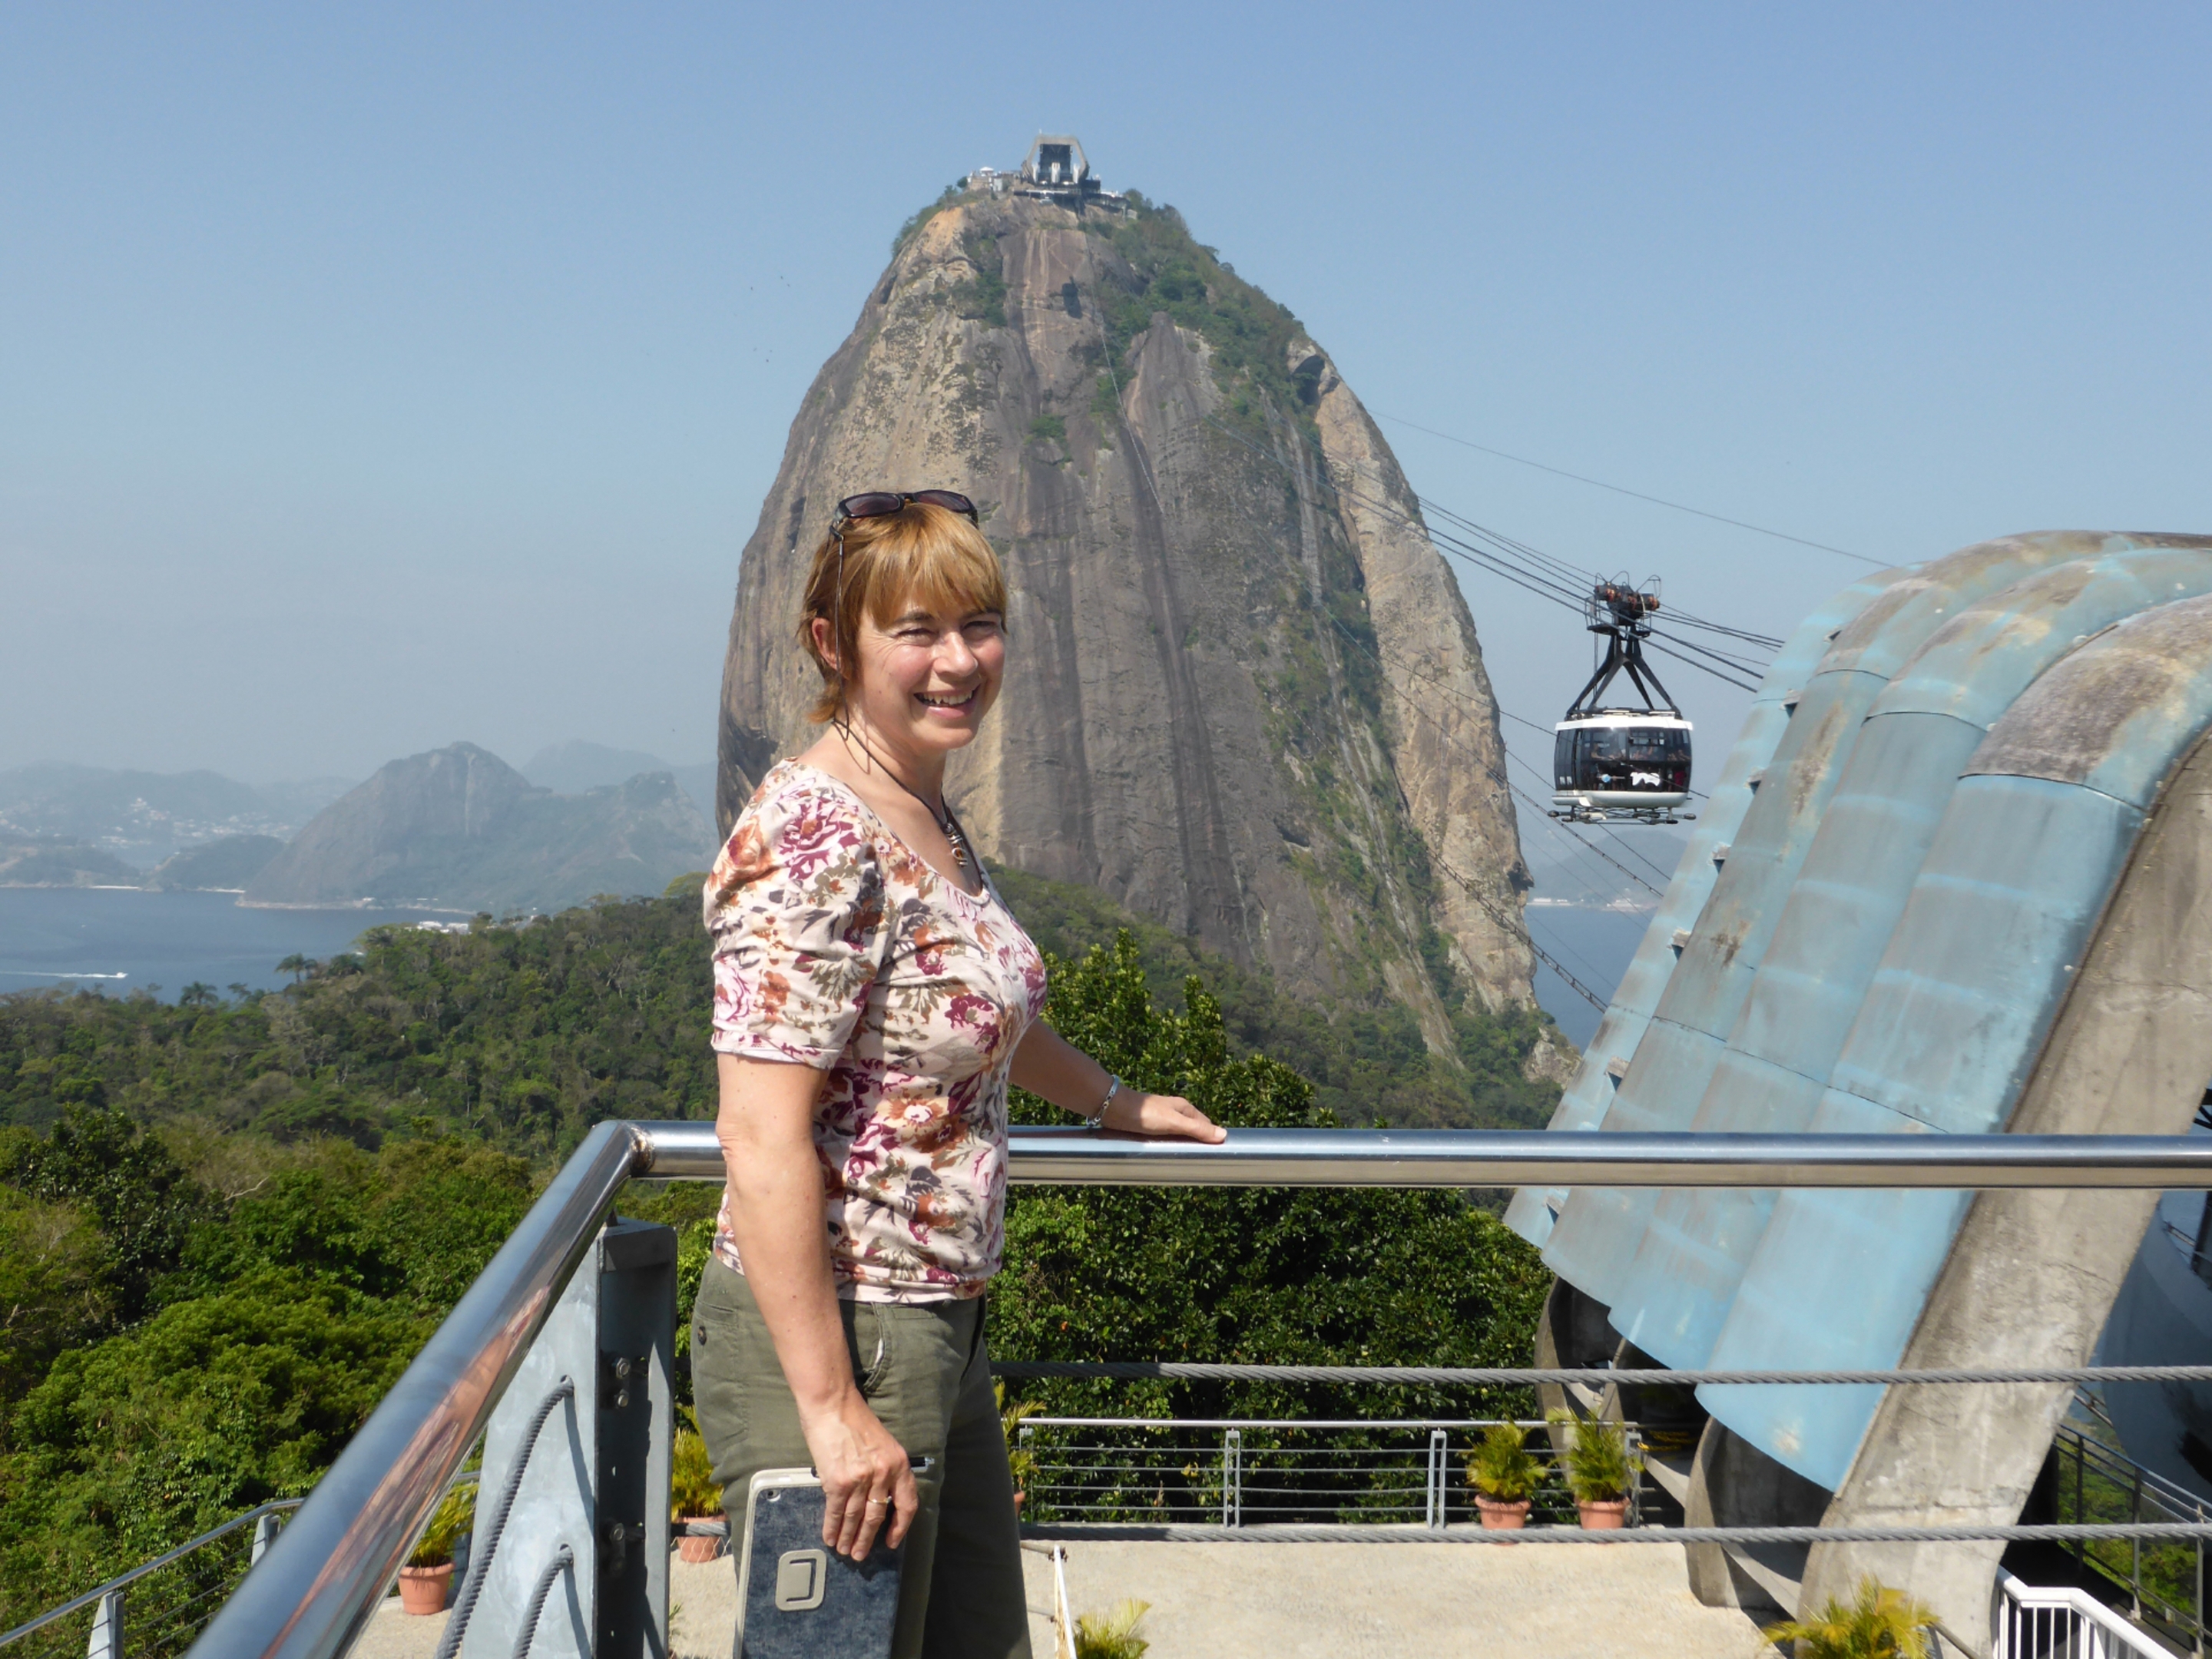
(1082,1472)
(327,1572)
(157,1608)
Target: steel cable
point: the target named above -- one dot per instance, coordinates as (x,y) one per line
(1528,1375)
(465,1604)
(1414,1533)
(563,1559)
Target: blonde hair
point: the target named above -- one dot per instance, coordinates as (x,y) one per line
(921,554)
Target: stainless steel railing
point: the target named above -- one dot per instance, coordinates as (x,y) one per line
(309,1598)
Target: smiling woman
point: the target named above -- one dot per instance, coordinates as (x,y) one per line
(874,998)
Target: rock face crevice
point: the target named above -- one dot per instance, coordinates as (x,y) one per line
(1244,695)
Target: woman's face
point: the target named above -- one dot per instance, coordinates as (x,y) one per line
(927,677)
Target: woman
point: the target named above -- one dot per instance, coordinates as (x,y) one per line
(873,999)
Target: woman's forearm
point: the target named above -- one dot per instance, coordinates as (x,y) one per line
(1048,1064)
(765,1127)
(1051,1067)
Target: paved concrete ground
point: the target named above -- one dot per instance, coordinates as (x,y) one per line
(1295,1601)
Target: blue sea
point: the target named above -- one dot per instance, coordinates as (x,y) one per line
(121,940)
(1595,945)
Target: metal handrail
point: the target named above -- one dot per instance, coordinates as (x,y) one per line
(1471,1158)
(124,1580)
(318,1583)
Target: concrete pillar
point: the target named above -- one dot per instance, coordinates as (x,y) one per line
(2032,1276)
(1733,1484)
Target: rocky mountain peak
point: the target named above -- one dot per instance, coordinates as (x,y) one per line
(1244,697)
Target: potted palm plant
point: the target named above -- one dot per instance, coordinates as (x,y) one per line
(1021,1461)
(1502,1475)
(1881,1623)
(1600,1469)
(693,1500)
(426,1583)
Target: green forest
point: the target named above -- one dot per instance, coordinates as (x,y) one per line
(227,1222)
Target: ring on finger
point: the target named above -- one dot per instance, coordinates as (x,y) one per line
(879,1502)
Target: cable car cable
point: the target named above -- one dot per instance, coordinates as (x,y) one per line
(1618,489)
(1538,582)
(1581,578)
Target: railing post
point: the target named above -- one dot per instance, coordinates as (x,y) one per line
(2135,1545)
(1436,1462)
(1233,1477)
(107,1628)
(2199,1621)
(265,1534)
(2081,1460)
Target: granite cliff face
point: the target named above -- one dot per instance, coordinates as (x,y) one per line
(1244,697)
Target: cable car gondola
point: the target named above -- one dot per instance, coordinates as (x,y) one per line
(1610,761)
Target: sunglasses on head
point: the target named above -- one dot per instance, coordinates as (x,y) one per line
(880,503)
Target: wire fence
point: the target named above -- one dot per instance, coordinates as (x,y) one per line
(1091,1471)
(154,1616)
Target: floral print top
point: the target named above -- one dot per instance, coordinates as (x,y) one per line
(835,946)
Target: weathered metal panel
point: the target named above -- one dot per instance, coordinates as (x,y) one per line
(1675,1295)
(2037,836)
(1922,731)
(1583,1104)
(1596,1236)
(2106,718)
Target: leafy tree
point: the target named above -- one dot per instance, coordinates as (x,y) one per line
(1278,1276)
(145,1203)
(53,1284)
(213,1406)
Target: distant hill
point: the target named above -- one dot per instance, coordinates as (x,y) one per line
(223,866)
(458,827)
(574,767)
(143,817)
(60,861)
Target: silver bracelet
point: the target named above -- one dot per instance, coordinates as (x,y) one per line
(1113,1088)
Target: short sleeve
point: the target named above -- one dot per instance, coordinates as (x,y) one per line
(794,905)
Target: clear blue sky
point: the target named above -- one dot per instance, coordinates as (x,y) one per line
(372,381)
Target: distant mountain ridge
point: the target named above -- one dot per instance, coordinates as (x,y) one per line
(143,817)
(458,828)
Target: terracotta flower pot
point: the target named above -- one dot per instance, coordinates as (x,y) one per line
(1500,1515)
(1604,1515)
(696,1546)
(424,1589)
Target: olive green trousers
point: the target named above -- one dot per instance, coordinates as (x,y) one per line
(922,1368)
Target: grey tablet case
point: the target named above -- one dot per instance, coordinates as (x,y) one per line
(797,1598)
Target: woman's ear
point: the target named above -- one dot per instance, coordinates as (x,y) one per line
(825,643)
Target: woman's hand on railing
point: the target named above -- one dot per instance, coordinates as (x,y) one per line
(1161,1117)
(866,1478)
